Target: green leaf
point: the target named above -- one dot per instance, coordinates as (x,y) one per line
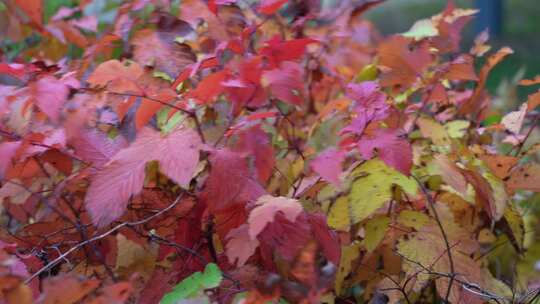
(212,276)
(194,285)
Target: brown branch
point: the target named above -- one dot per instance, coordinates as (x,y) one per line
(98,237)
(533,125)
(431,204)
(471,287)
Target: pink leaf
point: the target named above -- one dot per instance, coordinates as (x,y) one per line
(178,155)
(49,94)
(328,165)
(254,141)
(123,176)
(370,105)
(396,152)
(111,188)
(7,151)
(95,147)
(240,247)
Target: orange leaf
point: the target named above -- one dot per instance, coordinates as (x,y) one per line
(529,82)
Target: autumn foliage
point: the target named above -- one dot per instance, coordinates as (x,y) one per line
(234,152)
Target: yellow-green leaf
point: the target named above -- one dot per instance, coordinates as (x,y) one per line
(457,128)
(375,231)
(413,219)
(374,188)
(338,217)
(348,255)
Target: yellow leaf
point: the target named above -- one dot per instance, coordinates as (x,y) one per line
(338,217)
(348,255)
(375,231)
(434,131)
(517,227)
(457,128)
(369,72)
(374,188)
(413,219)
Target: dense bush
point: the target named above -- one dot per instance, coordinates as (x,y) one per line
(235,152)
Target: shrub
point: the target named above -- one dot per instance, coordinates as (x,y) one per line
(230,152)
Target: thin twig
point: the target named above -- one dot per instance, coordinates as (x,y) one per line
(431,203)
(98,237)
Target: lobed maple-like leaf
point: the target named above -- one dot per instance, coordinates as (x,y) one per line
(123,177)
(265,210)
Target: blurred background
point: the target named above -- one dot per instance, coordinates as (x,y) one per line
(513,23)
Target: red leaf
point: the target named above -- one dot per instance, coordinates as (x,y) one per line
(327,239)
(269,7)
(230,182)
(328,165)
(265,210)
(246,89)
(254,141)
(33,9)
(117,74)
(278,51)
(14,70)
(286,82)
(283,237)
(112,186)
(213,4)
(210,87)
(396,152)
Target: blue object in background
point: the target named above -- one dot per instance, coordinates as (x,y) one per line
(490,16)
